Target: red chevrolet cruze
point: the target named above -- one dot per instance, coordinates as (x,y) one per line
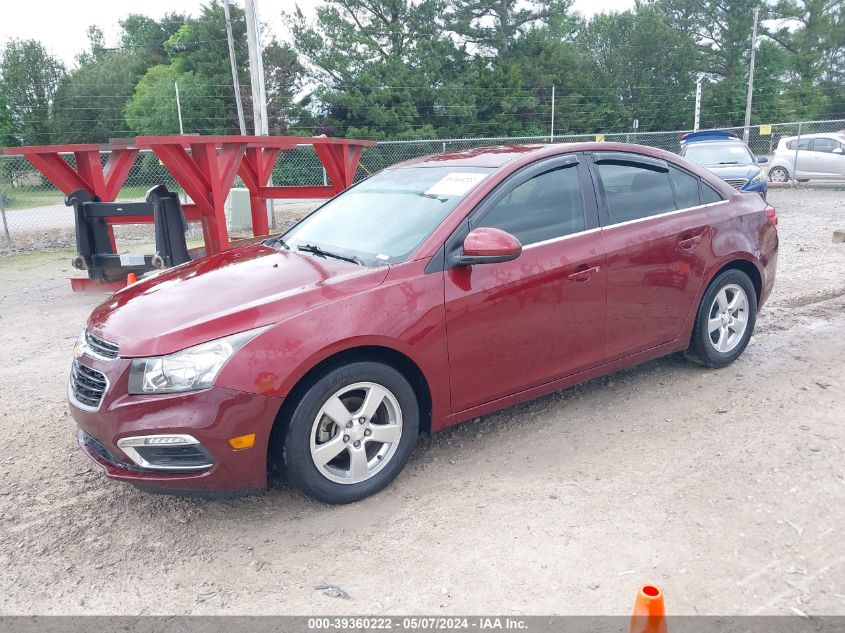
(438,290)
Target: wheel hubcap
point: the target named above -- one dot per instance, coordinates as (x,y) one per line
(728,318)
(778,175)
(356,433)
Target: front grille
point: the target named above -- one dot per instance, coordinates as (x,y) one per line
(101,347)
(736,183)
(87,385)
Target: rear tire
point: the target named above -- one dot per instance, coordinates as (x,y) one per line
(725,320)
(351,433)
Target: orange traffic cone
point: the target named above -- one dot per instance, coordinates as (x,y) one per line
(649,612)
(131,278)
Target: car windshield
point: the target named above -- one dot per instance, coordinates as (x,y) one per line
(719,154)
(385,218)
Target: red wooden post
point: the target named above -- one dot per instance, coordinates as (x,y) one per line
(206,173)
(89,173)
(341,163)
(255,171)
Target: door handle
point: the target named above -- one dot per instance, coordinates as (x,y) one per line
(583,273)
(689,243)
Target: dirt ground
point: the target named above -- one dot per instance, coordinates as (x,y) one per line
(725,487)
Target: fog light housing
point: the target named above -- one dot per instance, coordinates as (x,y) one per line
(173,452)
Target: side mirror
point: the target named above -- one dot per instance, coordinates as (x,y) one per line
(489,246)
(762,159)
(838,150)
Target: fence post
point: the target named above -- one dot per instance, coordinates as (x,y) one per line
(795,164)
(5,224)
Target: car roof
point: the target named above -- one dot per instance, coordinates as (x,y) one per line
(722,141)
(813,135)
(497,156)
(709,136)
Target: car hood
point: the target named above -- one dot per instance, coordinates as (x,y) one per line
(735,171)
(215,296)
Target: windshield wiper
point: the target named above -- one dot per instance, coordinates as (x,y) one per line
(277,241)
(729,162)
(321,252)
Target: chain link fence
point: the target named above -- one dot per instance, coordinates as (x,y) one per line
(35,217)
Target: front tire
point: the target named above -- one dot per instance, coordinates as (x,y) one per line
(778,174)
(725,320)
(351,434)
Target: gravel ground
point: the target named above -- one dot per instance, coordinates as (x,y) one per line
(725,487)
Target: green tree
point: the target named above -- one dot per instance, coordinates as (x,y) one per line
(90,100)
(812,36)
(145,38)
(200,47)
(152,109)
(385,66)
(642,68)
(29,79)
(722,31)
(282,80)
(494,26)
(7,137)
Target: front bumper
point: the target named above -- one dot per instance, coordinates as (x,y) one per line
(212,416)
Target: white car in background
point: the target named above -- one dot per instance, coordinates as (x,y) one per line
(810,156)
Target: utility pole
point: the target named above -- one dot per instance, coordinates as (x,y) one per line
(697,122)
(179,108)
(745,130)
(256,69)
(552,129)
(256,81)
(234,64)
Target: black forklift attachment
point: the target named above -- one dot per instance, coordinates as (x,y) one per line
(97,255)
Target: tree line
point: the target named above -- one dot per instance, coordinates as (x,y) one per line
(410,69)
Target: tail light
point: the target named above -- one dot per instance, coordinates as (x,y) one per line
(772,215)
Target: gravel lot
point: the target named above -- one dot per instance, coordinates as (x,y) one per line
(725,487)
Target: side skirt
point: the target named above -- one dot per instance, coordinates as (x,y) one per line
(561,383)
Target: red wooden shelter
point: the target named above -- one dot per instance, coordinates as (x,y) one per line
(204,166)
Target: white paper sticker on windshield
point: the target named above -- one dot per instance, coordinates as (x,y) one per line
(455,184)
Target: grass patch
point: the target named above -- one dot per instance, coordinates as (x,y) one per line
(33,197)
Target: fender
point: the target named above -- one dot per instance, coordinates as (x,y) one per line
(272,363)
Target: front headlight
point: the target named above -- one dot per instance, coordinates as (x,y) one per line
(188,370)
(761,177)
(80,346)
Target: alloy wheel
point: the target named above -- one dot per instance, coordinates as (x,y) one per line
(778,174)
(356,433)
(728,318)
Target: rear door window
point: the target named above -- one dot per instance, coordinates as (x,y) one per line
(826,145)
(634,191)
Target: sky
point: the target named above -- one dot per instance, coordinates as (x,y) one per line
(61,25)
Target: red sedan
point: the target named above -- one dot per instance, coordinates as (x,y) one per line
(436,291)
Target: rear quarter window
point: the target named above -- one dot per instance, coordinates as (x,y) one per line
(686,188)
(709,195)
